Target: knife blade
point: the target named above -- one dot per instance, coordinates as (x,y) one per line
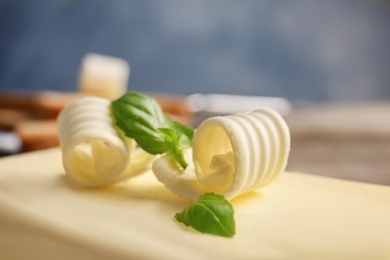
(207,105)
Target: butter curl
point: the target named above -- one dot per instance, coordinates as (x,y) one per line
(94,152)
(231,155)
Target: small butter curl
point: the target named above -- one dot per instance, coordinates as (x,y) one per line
(94,152)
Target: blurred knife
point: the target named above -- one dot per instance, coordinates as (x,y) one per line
(207,105)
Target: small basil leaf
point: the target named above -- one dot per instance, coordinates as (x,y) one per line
(212,214)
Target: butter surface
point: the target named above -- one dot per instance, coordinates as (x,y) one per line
(299,216)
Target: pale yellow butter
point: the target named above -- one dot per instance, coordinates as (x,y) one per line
(299,216)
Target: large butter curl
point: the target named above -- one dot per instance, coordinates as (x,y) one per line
(94,152)
(231,155)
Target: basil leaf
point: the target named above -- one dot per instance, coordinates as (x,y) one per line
(212,214)
(140,117)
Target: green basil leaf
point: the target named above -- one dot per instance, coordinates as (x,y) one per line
(140,117)
(211,214)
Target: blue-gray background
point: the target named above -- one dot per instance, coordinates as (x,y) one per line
(301,50)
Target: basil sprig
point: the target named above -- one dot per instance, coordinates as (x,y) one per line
(140,117)
(212,214)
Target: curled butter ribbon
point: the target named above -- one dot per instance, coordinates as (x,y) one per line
(231,155)
(94,153)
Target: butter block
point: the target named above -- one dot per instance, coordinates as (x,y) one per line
(299,216)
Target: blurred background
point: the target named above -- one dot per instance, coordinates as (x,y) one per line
(300,50)
(329,59)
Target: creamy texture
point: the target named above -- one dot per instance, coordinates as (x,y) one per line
(299,216)
(231,155)
(94,153)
